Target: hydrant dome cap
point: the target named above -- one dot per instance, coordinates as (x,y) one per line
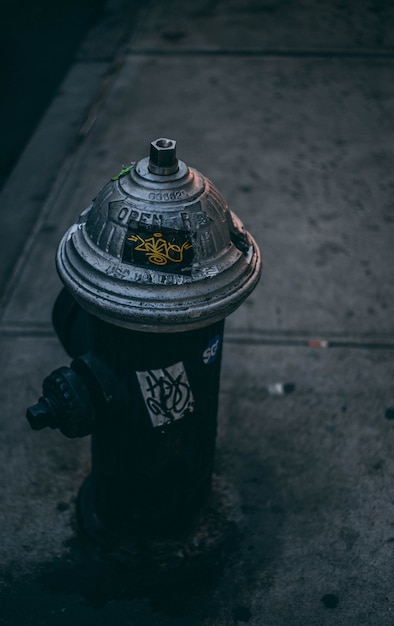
(158,249)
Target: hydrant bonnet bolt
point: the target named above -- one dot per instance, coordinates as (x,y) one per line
(162,158)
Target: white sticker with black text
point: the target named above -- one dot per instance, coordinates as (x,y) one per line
(167,393)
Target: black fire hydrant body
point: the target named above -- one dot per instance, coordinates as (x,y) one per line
(151,270)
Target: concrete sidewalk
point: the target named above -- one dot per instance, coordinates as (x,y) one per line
(287,108)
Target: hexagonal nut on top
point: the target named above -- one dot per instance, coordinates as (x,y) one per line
(162,158)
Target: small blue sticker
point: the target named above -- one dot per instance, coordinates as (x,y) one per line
(211,351)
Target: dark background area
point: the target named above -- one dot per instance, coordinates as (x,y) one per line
(38,43)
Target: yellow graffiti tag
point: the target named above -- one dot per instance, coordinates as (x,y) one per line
(158,250)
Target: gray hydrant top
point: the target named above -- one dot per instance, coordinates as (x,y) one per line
(159,250)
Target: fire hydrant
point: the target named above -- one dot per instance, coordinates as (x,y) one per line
(151,270)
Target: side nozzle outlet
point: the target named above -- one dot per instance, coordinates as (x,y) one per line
(65,404)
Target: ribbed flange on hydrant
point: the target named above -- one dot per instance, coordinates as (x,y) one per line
(151,270)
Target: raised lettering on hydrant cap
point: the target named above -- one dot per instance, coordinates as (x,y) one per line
(151,270)
(159,250)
